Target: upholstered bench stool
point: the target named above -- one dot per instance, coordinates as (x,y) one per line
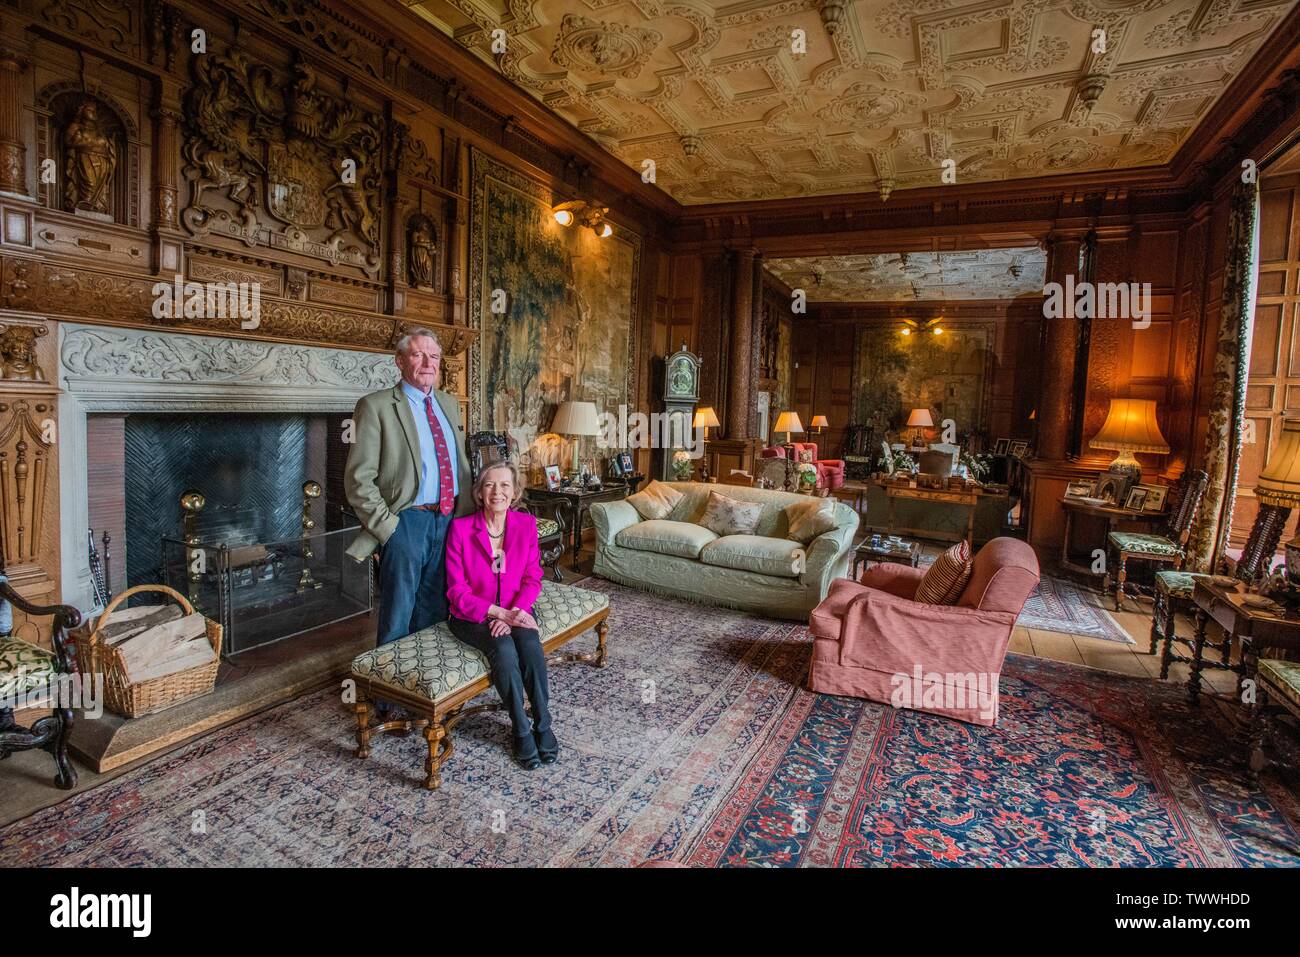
(433,675)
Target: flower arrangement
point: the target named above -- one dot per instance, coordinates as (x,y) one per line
(903,463)
(977,465)
(807,475)
(683,466)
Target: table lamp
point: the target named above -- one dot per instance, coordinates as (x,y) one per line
(918,420)
(788,422)
(705,419)
(1130,427)
(819,423)
(576,419)
(1278,491)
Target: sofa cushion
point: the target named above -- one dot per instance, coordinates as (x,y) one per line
(682,539)
(654,501)
(809,519)
(756,553)
(1143,544)
(946,579)
(728,516)
(1282,677)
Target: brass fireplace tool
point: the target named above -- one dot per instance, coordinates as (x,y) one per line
(192,503)
(310,490)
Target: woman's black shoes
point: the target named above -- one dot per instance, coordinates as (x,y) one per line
(526,753)
(548,749)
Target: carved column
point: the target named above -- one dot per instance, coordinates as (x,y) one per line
(166,151)
(740,377)
(1060,351)
(13,154)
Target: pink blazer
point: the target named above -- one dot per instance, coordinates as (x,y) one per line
(471,582)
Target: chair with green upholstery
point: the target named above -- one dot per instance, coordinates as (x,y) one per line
(1167,548)
(30,677)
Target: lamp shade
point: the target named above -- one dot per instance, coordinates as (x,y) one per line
(1131,426)
(819,422)
(920,419)
(706,418)
(1279,483)
(576,418)
(788,422)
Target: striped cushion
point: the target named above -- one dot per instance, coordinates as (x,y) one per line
(946,579)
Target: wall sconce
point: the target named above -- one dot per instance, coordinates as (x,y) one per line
(584,214)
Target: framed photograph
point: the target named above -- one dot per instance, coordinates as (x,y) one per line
(624,460)
(1001,446)
(1137,497)
(1112,487)
(1019,448)
(1079,489)
(552,477)
(1155,501)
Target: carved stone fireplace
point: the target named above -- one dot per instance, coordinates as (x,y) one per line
(108,373)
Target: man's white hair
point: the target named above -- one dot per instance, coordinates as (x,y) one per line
(404,343)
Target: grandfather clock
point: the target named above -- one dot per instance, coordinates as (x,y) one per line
(681,393)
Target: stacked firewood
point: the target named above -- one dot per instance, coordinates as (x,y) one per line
(157,640)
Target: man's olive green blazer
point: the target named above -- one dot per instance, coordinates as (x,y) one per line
(383,471)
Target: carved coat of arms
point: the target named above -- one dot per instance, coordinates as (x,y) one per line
(281,164)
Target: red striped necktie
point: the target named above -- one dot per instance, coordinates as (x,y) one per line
(446,496)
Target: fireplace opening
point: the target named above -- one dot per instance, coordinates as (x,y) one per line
(244,513)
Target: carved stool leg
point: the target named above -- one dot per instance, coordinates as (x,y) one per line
(601,630)
(435,734)
(362,710)
(1167,651)
(1120,575)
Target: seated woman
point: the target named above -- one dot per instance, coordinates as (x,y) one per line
(494,574)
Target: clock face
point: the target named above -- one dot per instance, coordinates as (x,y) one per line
(681,377)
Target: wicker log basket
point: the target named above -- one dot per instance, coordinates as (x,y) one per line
(155,694)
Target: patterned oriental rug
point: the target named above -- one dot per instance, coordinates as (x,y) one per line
(1060,605)
(698,744)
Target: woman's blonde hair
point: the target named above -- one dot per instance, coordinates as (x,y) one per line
(481,478)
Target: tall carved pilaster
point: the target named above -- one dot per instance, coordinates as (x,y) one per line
(740,377)
(166,152)
(1061,335)
(13,153)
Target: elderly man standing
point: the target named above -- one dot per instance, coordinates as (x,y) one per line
(407,475)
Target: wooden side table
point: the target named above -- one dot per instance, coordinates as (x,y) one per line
(578,501)
(969,498)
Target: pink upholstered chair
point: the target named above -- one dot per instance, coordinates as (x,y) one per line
(871,640)
(830,472)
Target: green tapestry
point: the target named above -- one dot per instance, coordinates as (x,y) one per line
(945,373)
(568,297)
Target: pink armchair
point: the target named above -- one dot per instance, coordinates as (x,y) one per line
(871,640)
(830,472)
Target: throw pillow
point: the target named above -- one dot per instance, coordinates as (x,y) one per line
(654,501)
(807,520)
(729,516)
(946,579)
(806,456)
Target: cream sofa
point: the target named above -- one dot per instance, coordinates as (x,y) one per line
(765,572)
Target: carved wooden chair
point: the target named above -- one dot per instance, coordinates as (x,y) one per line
(488,448)
(1167,548)
(30,677)
(1174,589)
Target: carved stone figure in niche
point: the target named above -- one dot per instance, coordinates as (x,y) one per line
(17,348)
(421,253)
(89,161)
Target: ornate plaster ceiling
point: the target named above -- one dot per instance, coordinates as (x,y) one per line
(885,92)
(907,277)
